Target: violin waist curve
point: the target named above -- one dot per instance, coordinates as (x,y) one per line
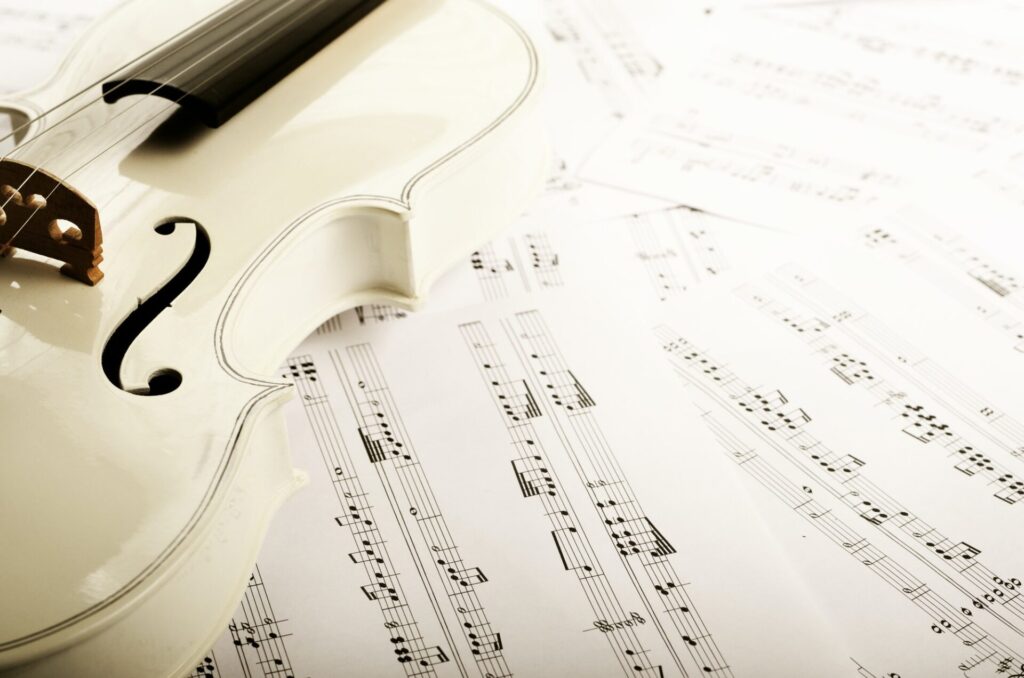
(359,178)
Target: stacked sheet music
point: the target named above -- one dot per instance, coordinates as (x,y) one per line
(740,396)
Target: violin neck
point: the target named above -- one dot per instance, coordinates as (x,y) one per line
(232,58)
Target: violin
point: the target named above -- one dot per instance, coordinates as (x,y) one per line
(198,187)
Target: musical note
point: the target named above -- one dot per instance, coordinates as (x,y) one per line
(533,477)
(568,543)
(544,261)
(257,634)
(566,390)
(207,668)
(412,498)
(491,271)
(372,555)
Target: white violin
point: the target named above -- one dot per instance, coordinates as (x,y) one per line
(216,180)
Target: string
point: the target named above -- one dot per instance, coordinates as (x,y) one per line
(110,76)
(173,103)
(210,19)
(154,91)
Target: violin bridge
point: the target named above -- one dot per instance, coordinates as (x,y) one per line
(33,203)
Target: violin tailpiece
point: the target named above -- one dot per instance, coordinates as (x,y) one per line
(33,203)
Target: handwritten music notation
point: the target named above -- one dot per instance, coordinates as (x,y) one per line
(391,452)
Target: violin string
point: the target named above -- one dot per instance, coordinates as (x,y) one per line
(14,131)
(21,147)
(282,27)
(155,90)
(60,181)
(142,99)
(172,104)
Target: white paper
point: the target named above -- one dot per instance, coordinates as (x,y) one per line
(801,389)
(543,581)
(805,117)
(884,417)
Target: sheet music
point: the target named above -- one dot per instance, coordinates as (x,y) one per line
(738,396)
(872,455)
(798,117)
(546,522)
(895,437)
(786,469)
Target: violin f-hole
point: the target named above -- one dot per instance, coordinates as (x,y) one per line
(165,380)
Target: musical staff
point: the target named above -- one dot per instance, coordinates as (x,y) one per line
(610,56)
(257,634)
(535,477)
(643,550)
(544,261)
(491,272)
(372,554)
(207,668)
(535,490)
(864,673)
(691,158)
(954,265)
(676,249)
(845,474)
(914,420)
(394,458)
(335,324)
(977,412)
(934,59)
(378,313)
(725,394)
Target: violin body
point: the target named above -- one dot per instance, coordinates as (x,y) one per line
(139,474)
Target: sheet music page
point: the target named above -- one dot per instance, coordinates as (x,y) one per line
(545,516)
(803,116)
(846,494)
(738,396)
(889,421)
(874,455)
